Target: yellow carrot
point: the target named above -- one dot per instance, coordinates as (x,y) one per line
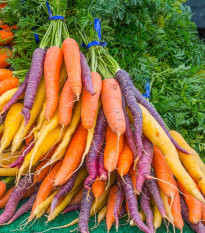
(1,129)
(4,99)
(8,171)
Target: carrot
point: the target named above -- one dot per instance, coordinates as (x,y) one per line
(163,172)
(134,180)
(189,161)
(66,104)
(8,171)
(2,188)
(77,198)
(154,132)
(46,186)
(113,148)
(8,84)
(72,60)
(112,105)
(2,5)
(4,74)
(2,23)
(132,171)
(98,188)
(194,206)
(176,211)
(203,213)
(110,219)
(73,156)
(5,54)
(125,160)
(39,174)
(6,36)
(90,102)
(5,197)
(31,135)
(52,67)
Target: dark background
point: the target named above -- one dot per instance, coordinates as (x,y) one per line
(198,9)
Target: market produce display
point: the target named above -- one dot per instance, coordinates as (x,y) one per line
(77,134)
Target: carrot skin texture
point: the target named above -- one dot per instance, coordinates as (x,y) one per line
(86,75)
(72,208)
(132,203)
(66,188)
(5,54)
(98,187)
(35,74)
(144,102)
(17,94)
(6,36)
(144,164)
(24,208)
(90,102)
(199,227)
(72,61)
(96,146)
(2,188)
(66,104)
(15,197)
(52,67)
(112,105)
(85,208)
(194,206)
(5,197)
(4,74)
(153,189)
(25,151)
(145,206)
(38,177)
(129,134)
(8,84)
(126,86)
(102,172)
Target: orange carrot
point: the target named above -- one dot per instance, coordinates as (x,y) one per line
(3,25)
(6,36)
(203,213)
(194,206)
(8,84)
(52,67)
(5,198)
(98,188)
(132,171)
(31,136)
(90,102)
(113,148)
(50,153)
(39,174)
(66,104)
(2,5)
(110,219)
(163,172)
(125,160)
(4,74)
(5,54)
(46,187)
(2,188)
(77,198)
(133,179)
(112,105)
(73,156)
(176,211)
(71,54)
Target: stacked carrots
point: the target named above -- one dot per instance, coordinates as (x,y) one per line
(86,139)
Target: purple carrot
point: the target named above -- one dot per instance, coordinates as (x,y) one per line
(35,74)
(66,188)
(144,164)
(123,211)
(24,208)
(126,86)
(24,184)
(199,227)
(132,203)
(85,208)
(21,158)
(145,206)
(118,203)
(102,172)
(17,94)
(86,75)
(96,146)
(71,208)
(143,101)
(129,134)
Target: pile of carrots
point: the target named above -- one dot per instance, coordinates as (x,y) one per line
(81,138)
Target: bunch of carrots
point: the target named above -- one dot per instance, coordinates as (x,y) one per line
(78,135)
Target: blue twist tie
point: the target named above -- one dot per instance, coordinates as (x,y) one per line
(147,89)
(36,37)
(50,15)
(97,28)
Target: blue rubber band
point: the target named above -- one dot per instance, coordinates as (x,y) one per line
(36,37)
(97,28)
(50,15)
(147,89)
